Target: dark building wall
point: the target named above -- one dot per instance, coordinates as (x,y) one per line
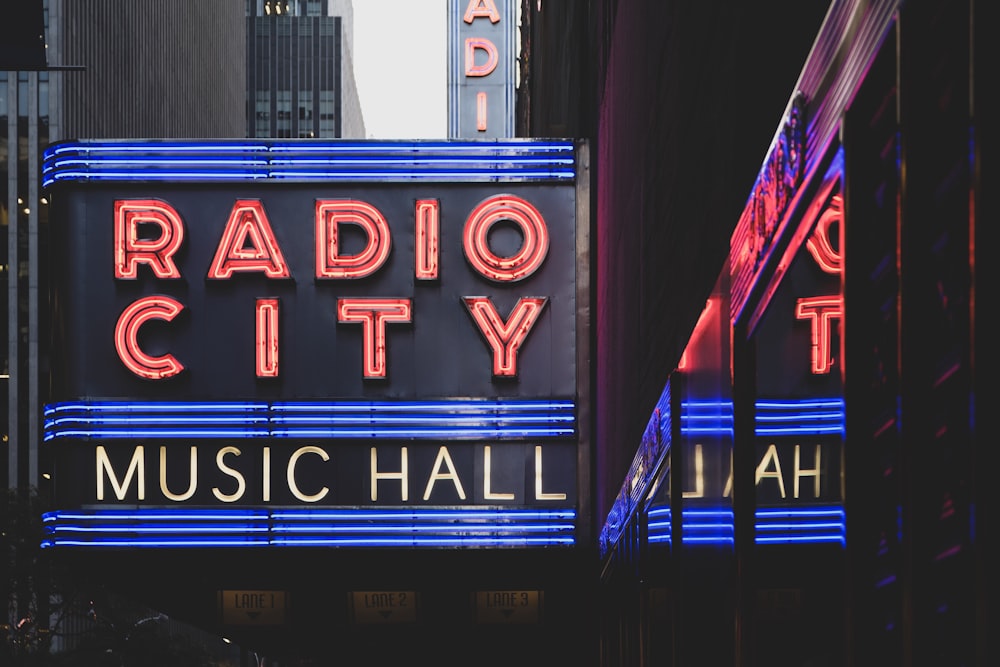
(683,106)
(153,68)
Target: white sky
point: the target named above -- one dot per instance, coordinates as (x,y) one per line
(401,67)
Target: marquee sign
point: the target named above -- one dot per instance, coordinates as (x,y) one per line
(481,60)
(254,333)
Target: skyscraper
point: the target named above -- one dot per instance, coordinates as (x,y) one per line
(95,69)
(169,71)
(300,80)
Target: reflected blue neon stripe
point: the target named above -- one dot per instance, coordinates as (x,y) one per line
(772,526)
(714,418)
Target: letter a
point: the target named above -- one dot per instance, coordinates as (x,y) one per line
(481,8)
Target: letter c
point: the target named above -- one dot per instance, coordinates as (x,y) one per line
(127,337)
(293,487)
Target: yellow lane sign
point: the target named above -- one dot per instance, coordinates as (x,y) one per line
(383,606)
(508,606)
(253,607)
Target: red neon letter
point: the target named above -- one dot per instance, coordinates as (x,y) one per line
(820,310)
(505,338)
(373,315)
(819,244)
(481,112)
(266,338)
(248,244)
(130,250)
(492,56)
(428,219)
(533,250)
(484,8)
(127,337)
(329,262)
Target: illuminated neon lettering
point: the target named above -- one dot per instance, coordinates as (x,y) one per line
(127,337)
(762,468)
(266,338)
(481,9)
(481,111)
(472,44)
(248,244)
(699,475)
(820,311)
(266,475)
(136,469)
(374,313)
(193,476)
(330,214)
(488,493)
(819,244)
(427,217)
(132,217)
(444,458)
(539,494)
(807,472)
(534,246)
(402,475)
(290,474)
(505,338)
(241,482)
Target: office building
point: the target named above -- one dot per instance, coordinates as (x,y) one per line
(300,72)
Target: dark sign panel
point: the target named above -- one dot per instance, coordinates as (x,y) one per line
(312,325)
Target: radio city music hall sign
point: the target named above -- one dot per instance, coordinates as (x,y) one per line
(394,341)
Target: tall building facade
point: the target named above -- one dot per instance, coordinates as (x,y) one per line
(300,71)
(96,69)
(170,71)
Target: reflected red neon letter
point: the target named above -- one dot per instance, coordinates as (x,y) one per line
(330,213)
(505,338)
(534,248)
(428,231)
(248,244)
(266,338)
(131,250)
(819,245)
(820,310)
(127,337)
(373,315)
(492,56)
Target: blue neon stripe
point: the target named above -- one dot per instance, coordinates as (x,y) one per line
(310,161)
(495,419)
(348,527)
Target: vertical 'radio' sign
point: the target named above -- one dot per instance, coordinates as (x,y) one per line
(481,81)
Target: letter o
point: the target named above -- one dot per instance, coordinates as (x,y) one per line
(519,265)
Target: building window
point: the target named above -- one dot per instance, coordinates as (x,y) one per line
(283,99)
(327,114)
(263,113)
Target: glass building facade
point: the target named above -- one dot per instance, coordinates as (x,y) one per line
(300,81)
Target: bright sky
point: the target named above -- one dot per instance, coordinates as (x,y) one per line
(401,67)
